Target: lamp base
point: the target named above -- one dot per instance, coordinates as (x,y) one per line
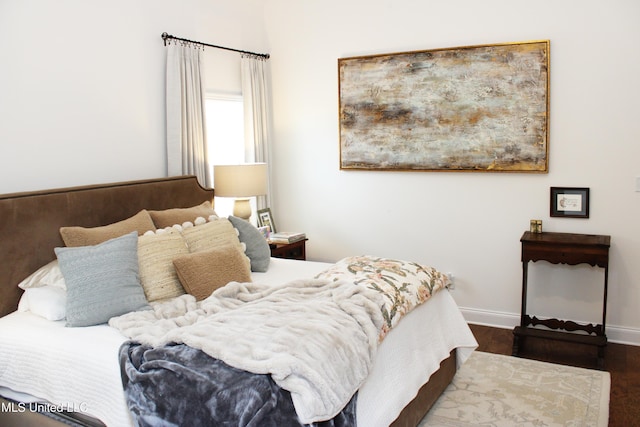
(242,208)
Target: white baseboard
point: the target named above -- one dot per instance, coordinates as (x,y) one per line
(615,334)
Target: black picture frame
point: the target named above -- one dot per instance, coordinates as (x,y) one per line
(265,218)
(569,202)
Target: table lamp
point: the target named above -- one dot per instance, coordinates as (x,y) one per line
(241,181)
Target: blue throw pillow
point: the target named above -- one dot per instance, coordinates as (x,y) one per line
(257,247)
(102,280)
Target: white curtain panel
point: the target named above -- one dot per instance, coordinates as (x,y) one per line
(255,93)
(186,132)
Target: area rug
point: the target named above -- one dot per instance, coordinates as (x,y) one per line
(497,390)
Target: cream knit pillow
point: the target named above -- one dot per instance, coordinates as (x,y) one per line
(211,235)
(155,257)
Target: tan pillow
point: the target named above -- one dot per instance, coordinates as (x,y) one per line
(81,236)
(155,261)
(169,217)
(201,273)
(210,235)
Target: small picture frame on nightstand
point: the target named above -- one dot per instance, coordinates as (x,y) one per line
(265,219)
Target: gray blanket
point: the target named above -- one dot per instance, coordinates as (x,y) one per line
(177,385)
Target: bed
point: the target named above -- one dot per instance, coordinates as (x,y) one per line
(415,361)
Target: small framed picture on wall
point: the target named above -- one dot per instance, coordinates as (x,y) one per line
(265,219)
(569,202)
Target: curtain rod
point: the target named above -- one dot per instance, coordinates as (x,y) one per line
(166,36)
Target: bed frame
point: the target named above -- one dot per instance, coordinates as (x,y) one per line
(31,222)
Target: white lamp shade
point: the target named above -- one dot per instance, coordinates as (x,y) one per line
(244,180)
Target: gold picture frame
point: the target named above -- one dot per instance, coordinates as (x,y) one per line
(471,108)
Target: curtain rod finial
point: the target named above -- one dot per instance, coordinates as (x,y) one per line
(165,36)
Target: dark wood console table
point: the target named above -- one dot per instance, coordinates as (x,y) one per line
(563,248)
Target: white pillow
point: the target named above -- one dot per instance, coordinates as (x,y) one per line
(47,275)
(45,301)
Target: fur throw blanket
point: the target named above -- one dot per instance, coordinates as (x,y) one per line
(316,338)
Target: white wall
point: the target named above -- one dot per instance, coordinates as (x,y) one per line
(82,83)
(468,223)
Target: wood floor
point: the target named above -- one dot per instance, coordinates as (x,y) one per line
(621,361)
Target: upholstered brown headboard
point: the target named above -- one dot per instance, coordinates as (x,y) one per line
(30,222)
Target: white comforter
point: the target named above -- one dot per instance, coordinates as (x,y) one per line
(316,338)
(78,367)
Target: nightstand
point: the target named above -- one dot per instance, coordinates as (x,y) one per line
(295,250)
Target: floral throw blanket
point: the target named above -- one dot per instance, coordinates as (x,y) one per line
(403,284)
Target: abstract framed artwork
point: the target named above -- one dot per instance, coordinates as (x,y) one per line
(471,108)
(569,202)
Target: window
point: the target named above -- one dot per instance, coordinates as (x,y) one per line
(224,115)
